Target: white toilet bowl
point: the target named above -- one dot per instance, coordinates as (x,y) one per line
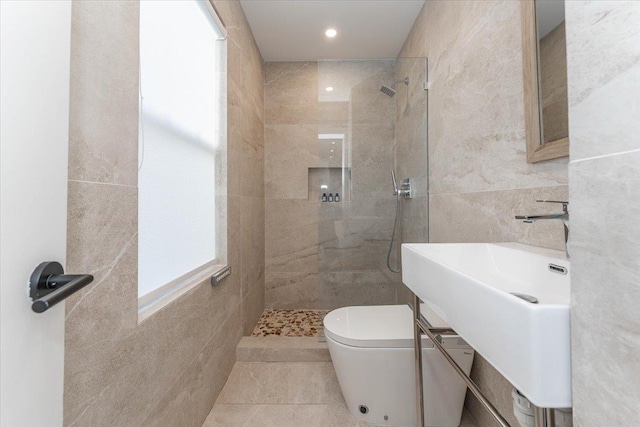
(372,352)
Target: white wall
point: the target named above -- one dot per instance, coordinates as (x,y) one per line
(34,122)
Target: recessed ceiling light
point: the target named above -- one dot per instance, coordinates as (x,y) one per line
(333,142)
(331,33)
(329,89)
(332,151)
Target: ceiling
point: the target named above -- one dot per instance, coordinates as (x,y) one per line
(293,30)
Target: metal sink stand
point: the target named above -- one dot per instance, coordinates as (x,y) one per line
(544,417)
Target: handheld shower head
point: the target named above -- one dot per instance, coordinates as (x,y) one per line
(389,90)
(395,183)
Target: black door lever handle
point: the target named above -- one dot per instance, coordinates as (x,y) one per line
(49,285)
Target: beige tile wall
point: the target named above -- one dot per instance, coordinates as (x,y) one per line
(169,369)
(478,174)
(604,122)
(332,254)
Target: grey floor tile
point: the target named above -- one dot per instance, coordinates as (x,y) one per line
(282,383)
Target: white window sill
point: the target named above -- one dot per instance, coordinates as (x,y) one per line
(155,301)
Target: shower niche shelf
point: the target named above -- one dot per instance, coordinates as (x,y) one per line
(329,180)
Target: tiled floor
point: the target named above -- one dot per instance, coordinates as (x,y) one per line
(285,382)
(285,394)
(282,394)
(290,323)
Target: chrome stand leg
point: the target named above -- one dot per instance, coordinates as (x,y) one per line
(544,417)
(417,347)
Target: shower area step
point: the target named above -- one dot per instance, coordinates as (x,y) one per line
(286,336)
(282,349)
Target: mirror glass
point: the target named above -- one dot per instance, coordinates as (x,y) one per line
(552,70)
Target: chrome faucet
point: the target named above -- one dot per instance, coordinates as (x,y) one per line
(564,217)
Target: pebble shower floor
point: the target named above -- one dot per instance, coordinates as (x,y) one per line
(290,323)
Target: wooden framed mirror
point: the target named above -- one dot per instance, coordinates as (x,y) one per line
(544,56)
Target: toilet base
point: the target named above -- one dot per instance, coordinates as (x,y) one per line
(378,383)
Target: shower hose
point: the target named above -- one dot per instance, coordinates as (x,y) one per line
(393,236)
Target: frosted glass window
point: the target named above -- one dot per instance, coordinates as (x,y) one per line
(180,129)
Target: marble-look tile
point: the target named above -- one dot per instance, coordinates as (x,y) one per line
(291,290)
(344,76)
(234,235)
(605,289)
(604,117)
(103,108)
(188,401)
(373,148)
(334,113)
(365,255)
(496,388)
(341,289)
(235,117)
(244,58)
(252,307)
(478,174)
(102,240)
(415,43)
(411,98)
(291,233)
(489,217)
(280,416)
(282,349)
(369,105)
(468,420)
(306,383)
(476,119)
(415,223)
(253,237)
(168,369)
(251,158)
(403,293)
(245,145)
(353,233)
(291,92)
(290,150)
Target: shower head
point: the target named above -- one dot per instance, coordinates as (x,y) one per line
(389,90)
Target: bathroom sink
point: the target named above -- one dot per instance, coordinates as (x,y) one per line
(470,286)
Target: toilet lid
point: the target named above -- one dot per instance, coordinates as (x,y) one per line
(380,326)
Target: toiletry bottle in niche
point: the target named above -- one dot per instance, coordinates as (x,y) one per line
(324,197)
(337,198)
(331,197)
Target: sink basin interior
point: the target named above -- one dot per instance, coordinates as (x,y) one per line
(508,267)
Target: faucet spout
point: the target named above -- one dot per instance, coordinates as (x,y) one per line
(564,217)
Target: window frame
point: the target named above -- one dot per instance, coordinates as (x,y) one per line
(155,300)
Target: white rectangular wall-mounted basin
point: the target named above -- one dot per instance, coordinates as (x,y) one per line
(470,286)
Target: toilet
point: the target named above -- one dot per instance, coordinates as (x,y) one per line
(372,351)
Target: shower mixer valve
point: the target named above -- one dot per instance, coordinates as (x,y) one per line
(406,187)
